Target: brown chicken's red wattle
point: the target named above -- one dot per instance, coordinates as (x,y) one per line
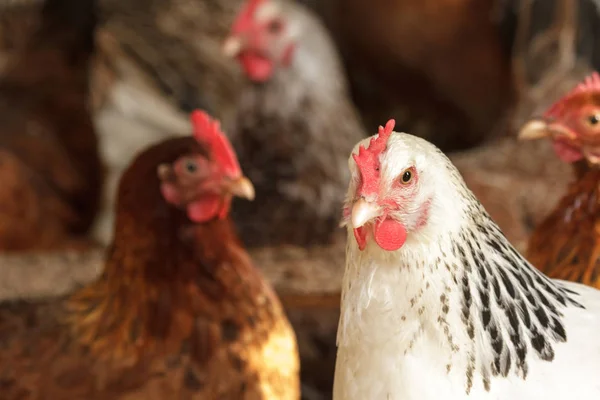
(566,152)
(207,209)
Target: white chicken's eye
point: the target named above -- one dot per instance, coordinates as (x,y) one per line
(406,176)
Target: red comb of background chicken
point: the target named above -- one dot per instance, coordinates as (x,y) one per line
(208,131)
(246,15)
(589,85)
(367,159)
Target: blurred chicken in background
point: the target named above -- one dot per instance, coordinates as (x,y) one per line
(294,127)
(552,46)
(18,20)
(50,168)
(157,61)
(180,310)
(566,245)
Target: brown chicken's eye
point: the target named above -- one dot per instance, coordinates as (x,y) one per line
(406,176)
(594,119)
(191,166)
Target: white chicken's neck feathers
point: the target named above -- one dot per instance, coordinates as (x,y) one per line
(506,304)
(466,288)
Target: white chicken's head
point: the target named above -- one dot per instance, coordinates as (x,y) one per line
(400,184)
(261,39)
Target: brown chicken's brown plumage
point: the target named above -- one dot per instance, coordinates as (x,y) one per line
(180,311)
(566,245)
(49,162)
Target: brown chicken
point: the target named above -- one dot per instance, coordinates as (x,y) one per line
(49,164)
(18,19)
(566,245)
(295,125)
(179,312)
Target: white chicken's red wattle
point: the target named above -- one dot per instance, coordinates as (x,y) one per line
(389,234)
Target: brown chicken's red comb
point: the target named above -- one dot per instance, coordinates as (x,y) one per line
(246,15)
(367,159)
(208,131)
(589,85)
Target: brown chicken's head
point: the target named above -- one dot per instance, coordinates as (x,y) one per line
(204,186)
(572,123)
(261,39)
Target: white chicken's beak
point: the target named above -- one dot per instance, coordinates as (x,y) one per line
(232,46)
(363,212)
(242,187)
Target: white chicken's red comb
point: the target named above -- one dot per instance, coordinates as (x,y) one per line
(591,84)
(208,131)
(246,15)
(367,159)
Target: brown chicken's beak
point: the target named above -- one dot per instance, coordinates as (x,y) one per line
(363,211)
(241,187)
(233,46)
(540,128)
(534,129)
(165,172)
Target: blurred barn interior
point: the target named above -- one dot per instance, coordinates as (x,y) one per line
(464,74)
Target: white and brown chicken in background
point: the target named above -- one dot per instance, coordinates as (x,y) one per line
(294,123)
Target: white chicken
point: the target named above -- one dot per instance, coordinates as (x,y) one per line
(436,303)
